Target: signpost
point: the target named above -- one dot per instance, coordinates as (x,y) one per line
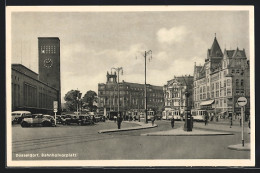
(242,101)
(55,110)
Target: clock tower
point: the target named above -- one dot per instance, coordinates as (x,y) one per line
(49,62)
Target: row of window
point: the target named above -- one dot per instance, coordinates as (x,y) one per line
(114,93)
(15,95)
(216,94)
(30,95)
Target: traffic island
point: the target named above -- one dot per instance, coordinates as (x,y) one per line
(239,147)
(141,126)
(181,132)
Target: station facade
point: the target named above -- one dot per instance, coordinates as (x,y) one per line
(36,92)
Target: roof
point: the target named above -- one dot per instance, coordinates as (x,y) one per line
(215,50)
(49,38)
(230,53)
(239,53)
(235,53)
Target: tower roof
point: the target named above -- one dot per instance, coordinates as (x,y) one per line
(215,50)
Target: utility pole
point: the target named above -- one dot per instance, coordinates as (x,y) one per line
(145,87)
(118,69)
(146,53)
(187,94)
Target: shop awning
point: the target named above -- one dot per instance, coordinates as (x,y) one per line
(208,102)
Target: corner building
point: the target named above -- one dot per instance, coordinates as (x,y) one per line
(131,96)
(174,93)
(222,79)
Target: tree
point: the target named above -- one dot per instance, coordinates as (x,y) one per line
(89,99)
(71,99)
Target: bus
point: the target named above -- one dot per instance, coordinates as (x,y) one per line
(199,115)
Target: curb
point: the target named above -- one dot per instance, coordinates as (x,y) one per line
(239,147)
(183,133)
(127,129)
(231,131)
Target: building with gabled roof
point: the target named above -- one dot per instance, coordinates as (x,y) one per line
(221,80)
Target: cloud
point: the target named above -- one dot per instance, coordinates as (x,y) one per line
(172,35)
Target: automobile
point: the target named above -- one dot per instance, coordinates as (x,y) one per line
(102,118)
(158,117)
(71,119)
(85,120)
(18,116)
(60,119)
(38,119)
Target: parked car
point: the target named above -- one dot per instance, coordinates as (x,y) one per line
(38,119)
(18,116)
(158,117)
(71,119)
(102,118)
(85,120)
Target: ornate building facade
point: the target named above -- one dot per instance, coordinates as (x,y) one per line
(221,80)
(131,96)
(174,93)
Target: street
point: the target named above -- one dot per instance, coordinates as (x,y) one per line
(85,143)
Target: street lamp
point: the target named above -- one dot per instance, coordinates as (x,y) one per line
(118,69)
(187,94)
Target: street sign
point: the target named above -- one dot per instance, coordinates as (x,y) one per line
(241,101)
(55,105)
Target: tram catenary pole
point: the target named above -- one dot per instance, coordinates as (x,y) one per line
(118,69)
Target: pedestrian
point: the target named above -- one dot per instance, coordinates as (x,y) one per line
(231,120)
(115,119)
(172,122)
(119,120)
(240,120)
(153,121)
(206,119)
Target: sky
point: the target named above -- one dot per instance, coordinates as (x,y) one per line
(91,43)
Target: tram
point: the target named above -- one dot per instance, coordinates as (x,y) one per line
(199,115)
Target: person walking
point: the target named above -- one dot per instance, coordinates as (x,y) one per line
(119,120)
(206,119)
(153,121)
(172,122)
(231,121)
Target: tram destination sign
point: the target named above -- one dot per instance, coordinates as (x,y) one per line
(241,101)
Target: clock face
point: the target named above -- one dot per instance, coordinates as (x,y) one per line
(47,63)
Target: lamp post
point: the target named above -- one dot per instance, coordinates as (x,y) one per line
(145,87)
(187,94)
(118,69)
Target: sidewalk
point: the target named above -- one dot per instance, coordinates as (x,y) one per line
(141,126)
(220,127)
(239,147)
(181,132)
